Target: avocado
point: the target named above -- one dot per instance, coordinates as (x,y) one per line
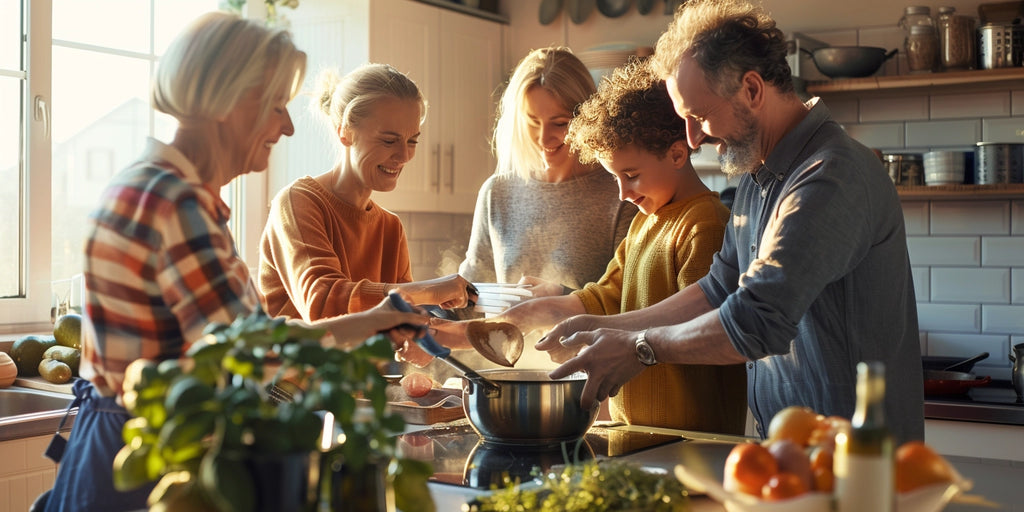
(54,371)
(66,355)
(67,330)
(28,351)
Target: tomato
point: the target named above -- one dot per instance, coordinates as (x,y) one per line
(795,423)
(748,468)
(416,384)
(917,465)
(783,486)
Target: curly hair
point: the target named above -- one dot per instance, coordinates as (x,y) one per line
(727,38)
(631,107)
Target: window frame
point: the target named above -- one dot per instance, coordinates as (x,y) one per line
(30,312)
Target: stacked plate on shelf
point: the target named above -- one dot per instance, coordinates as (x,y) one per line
(601,60)
(494,298)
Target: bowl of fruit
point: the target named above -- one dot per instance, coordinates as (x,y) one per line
(792,470)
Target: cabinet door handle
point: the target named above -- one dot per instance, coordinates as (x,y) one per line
(451,169)
(435,184)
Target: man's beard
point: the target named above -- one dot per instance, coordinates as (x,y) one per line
(741,152)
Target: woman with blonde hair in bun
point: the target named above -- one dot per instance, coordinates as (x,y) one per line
(328,248)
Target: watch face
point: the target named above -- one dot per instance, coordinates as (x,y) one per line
(645,353)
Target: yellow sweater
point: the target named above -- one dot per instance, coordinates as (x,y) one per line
(662,254)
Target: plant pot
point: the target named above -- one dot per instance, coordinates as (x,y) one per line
(281,481)
(345,489)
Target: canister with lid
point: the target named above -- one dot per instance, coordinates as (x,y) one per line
(922,41)
(956,40)
(998,163)
(904,168)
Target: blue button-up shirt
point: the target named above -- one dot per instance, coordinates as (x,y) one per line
(814,276)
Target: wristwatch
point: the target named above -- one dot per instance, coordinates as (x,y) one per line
(644,352)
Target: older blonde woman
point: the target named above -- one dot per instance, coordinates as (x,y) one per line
(160,262)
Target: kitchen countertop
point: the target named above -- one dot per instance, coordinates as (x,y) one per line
(994,403)
(996,482)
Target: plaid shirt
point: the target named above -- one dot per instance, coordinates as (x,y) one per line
(160,265)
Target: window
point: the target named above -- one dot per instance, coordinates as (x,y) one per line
(74,109)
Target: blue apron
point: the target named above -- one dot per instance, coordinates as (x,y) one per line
(85,477)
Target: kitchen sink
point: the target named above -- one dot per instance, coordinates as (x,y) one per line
(18,401)
(29,412)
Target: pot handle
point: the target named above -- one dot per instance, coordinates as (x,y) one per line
(890,54)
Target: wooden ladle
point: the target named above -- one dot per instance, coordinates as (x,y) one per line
(500,342)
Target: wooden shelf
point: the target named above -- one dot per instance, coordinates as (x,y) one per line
(961,192)
(951,80)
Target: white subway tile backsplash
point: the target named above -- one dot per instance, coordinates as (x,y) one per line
(1017,286)
(947,250)
(970,218)
(1017,100)
(922,283)
(1002,251)
(1017,217)
(943,133)
(967,345)
(873,110)
(1010,129)
(954,106)
(915,217)
(963,318)
(1002,319)
(984,285)
(843,110)
(878,135)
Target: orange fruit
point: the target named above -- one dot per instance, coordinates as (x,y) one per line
(795,423)
(783,486)
(918,465)
(748,468)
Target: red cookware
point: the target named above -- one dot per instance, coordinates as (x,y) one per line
(945,383)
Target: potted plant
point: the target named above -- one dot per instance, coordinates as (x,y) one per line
(219,438)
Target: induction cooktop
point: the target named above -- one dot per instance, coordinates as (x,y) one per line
(461,457)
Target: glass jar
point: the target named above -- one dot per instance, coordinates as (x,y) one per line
(956,40)
(922,39)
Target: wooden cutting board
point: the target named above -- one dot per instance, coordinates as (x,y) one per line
(42,384)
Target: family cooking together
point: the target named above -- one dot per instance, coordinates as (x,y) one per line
(682,314)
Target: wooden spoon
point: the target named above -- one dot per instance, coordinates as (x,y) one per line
(500,342)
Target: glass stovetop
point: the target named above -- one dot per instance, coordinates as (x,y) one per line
(461,457)
(995,403)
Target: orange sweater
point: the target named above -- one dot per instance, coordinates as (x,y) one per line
(321,257)
(662,254)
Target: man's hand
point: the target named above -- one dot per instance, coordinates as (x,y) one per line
(607,356)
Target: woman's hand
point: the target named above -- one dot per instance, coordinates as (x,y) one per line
(351,329)
(449,292)
(542,288)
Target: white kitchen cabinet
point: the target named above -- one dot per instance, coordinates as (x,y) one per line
(456,60)
(971,439)
(24,472)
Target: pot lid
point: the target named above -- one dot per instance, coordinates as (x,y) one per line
(549,10)
(579,10)
(613,8)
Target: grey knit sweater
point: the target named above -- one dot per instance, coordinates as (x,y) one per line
(563,232)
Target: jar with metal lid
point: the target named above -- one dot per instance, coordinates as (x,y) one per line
(956,40)
(922,41)
(904,168)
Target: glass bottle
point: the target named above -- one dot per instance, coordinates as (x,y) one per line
(922,39)
(864,466)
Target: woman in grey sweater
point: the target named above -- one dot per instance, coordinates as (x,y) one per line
(544,218)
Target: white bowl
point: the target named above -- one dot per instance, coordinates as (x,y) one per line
(932,498)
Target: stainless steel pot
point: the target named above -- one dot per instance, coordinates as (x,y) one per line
(1000,46)
(529,408)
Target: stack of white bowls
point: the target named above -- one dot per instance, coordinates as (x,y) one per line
(943,168)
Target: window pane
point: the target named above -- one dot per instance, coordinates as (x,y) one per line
(121,24)
(173,16)
(100,126)
(10,192)
(10,34)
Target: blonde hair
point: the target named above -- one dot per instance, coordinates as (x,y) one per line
(347,100)
(219,57)
(558,71)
